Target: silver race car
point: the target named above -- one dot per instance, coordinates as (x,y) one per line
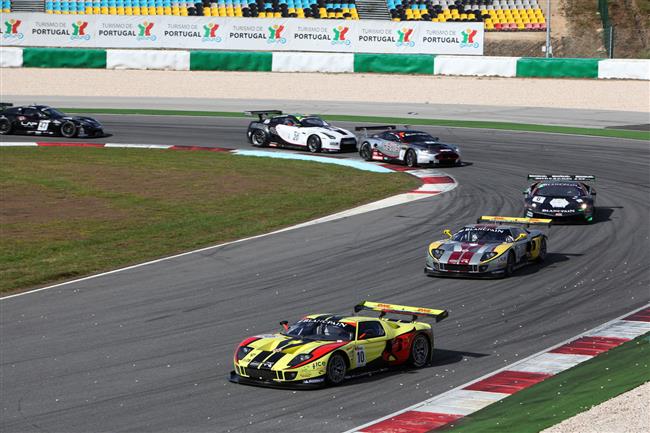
(302,132)
(406,146)
(495,246)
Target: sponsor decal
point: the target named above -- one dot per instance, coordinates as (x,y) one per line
(11,29)
(559,202)
(404,37)
(79,31)
(468,39)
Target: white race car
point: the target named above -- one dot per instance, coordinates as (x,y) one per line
(288,130)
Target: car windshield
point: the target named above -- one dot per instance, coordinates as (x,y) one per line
(559,190)
(483,235)
(53,113)
(313,122)
(314,329)
(420,137)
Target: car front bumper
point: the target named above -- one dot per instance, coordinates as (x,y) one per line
(312,383)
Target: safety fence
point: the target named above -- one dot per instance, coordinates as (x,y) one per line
(608,27)
(529,67)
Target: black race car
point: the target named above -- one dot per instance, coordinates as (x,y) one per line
(44,120)
(560,197)
(406,146)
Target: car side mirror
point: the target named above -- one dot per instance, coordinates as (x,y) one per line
(520,237)
(593,191)
(448,233)
(285,325)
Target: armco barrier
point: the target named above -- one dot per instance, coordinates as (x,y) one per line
(313,62)
(394,63)
(230,61)
(557,68)
(624,68)
(476,66)
(63,58)
(11,57)
(325,62)
(148,59)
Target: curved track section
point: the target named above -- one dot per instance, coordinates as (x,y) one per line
(149,349)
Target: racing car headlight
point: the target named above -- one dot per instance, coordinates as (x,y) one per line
(437,253)
(242,352)
(584,206)
(331,137)
(299,359)
(487,256)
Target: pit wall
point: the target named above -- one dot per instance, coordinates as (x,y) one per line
(324,62)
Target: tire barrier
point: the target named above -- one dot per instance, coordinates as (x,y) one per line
(631,69)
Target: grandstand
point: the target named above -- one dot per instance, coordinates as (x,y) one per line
(498,15)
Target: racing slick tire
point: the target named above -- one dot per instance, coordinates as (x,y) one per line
(314,144)
(366,151)
(336,369)
(542,251)
(69,129)
(411,159)
(260,138)
(5,126)
(420,351)
(510,266)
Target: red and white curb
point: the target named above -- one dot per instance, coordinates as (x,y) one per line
(444,409)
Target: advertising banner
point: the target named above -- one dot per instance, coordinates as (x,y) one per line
(254,34)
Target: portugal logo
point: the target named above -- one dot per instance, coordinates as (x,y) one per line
(468,39)
(79,31)
(210,33)
(144,31)
(11,29)
(339,36)
(275,35)
(404,38)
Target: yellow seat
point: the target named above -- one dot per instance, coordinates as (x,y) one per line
(103,10)
(160,10)
(183,12)
(207,12)
(262,15)
(331,15)
(112,10)
(128,11)
(120,10)
(136,10)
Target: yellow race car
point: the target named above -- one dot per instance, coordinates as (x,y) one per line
(325,349)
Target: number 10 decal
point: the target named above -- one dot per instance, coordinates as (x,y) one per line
(361,356)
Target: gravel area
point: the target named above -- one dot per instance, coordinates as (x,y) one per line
(620,95)
(627,413)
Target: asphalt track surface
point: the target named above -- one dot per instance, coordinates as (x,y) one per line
(149,349)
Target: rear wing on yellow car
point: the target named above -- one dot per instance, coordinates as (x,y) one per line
(401,309)
(560,177)
(514,220)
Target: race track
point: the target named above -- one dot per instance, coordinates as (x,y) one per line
(149,349)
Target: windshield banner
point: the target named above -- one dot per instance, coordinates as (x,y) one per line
(254,34)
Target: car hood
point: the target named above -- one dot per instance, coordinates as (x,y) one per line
(82,119)
(465,253)
(275,352)
(337,132)
(435,147)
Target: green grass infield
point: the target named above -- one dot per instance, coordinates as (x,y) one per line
(566,394)
(70,212)
(510,126)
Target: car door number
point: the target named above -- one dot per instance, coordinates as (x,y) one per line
(296,135)
(43,124)
(361,356)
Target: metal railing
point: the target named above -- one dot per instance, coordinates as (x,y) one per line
(608,27)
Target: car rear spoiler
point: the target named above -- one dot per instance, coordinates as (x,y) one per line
(263,114)
(4,105)
(401,309)
(514,220)
(374,128)
(560,177)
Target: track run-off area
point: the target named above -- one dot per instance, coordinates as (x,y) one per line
(150,348)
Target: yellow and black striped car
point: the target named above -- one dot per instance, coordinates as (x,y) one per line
(324,349)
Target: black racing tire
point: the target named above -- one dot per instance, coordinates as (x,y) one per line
(420,351)
(510,266)
(69,129)
(366,151)
(259,138)
(314,144)
(542,251)
(5,126)
(411,159)
(336,369)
